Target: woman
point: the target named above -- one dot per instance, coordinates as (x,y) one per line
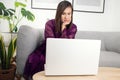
(60,27)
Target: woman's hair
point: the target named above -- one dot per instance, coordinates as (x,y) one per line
(61,7)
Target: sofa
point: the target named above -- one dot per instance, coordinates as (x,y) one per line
(28,38)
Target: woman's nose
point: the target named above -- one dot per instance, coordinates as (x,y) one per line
(66,16)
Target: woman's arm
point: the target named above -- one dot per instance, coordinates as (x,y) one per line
(70,33)
(49,33)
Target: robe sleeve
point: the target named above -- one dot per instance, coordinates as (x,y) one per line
(49,30)
(70,33)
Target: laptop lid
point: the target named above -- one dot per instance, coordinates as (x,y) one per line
(72,56)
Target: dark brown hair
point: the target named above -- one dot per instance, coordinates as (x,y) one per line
(60,8)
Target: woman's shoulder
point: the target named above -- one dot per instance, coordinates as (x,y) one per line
(51,21)
(73,25)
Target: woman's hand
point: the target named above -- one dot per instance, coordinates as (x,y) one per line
(63,26)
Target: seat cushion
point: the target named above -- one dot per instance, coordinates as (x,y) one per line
(109,59)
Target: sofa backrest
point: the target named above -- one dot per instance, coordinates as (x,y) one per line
(110,40)
(28,39)
(91,35)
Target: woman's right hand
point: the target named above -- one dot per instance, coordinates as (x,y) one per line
(63,26)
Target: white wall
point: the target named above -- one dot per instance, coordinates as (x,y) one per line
(107,21)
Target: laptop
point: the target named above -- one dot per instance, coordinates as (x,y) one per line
(72,56)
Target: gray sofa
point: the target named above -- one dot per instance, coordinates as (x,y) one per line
(29,38)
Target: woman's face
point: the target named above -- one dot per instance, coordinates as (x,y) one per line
(66,16)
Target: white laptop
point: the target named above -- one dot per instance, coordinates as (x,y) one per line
(72,56)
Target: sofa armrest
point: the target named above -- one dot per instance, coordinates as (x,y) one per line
(27,40)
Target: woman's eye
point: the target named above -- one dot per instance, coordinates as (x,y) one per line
(69,13)
(63,14)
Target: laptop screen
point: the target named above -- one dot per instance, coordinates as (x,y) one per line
(72,56)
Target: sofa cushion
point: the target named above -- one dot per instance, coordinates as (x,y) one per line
(109,59)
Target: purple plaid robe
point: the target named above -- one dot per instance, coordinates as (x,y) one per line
(36,59)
